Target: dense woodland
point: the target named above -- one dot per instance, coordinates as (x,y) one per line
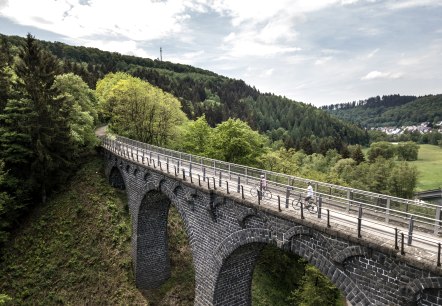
(219,98)
(53,96)
(391,110)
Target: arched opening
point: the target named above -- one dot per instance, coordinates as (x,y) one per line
(164,265)
(259,273)
(284,278)
(116,179)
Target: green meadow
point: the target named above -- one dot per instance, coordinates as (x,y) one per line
(429,164)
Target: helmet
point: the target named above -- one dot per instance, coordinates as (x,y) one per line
(262,175)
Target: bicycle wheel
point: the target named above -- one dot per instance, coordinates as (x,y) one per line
(267,194)
(312,208)
(296,203)
(254,192)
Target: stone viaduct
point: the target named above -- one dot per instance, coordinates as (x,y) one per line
(227,233)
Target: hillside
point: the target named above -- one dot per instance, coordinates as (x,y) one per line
(219,98)
(76,250)
(392,111)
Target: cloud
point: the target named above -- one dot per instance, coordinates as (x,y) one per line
(381,75)
(131,19)
(405,4)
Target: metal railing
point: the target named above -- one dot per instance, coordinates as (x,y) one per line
(418,221)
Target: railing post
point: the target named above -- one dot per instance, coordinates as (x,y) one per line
(410,230)
(184,174)
(259,197)
(387,211)
(204,173)
(349,200)
(359,221)
(438,254)
(328,217)
(167,164)
(437,218)
(239,182)
(287,196)
(214,182)
(396,246)
(175,170)
(319,206)
(199,180)
(402,244)
(302,210)
(242,191)
(220,176)
(247,177)
(137,153)
(227,186)
(279,203)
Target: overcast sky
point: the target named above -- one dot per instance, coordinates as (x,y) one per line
(314,51)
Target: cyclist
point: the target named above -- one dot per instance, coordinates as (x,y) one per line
(263,182)
(309,192)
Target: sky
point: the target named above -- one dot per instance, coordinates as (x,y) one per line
(313,51)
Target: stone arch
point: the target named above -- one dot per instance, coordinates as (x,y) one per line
(235,259)
(152,265)
(422,291)
(305,246)
(348,252)
(149,238)
(116,178)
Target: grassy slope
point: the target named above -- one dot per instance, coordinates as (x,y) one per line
(76,250)
(429,164)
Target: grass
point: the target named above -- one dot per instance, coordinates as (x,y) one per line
(75,250)
(429,165)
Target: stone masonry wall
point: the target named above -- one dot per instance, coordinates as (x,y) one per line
(226,235)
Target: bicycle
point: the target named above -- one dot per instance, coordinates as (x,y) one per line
(310,205)
(266,194)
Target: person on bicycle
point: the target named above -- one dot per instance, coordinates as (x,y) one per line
(309,192)
(263,182)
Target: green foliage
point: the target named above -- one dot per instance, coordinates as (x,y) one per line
(407,150)
(5,206)
(394,110)
(383,149)
(219,98)
(196,136)
(139,110)
(315,290)
(83,115)
(234,141)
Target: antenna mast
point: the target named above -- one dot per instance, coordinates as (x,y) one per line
(161,54)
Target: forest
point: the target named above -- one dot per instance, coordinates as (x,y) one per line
(390,110)
(52,99)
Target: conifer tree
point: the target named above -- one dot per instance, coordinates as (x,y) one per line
(36,122)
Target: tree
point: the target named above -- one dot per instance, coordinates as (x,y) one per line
(5,206)
(83,116)
(5,73)
(315,290)
(43,112)
(382,148)
(139,110)
(402,180)
(407,150)
(234,141)
(357,154)
(196,136)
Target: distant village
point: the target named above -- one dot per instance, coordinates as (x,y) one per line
(423,128)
